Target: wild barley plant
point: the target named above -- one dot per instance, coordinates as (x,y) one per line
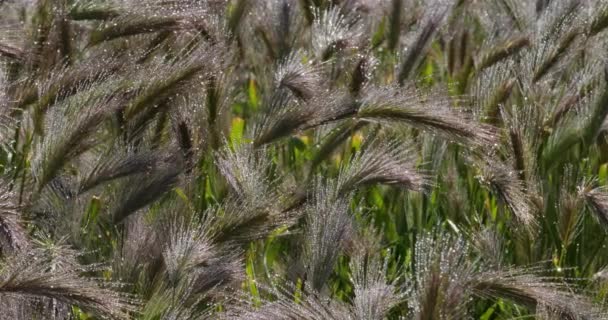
(312,159)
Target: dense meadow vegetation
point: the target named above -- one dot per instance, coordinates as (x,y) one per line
(303,159)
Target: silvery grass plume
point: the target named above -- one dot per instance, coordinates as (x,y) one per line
(583,128)
(523,129)
(489,244)
(596,199)
(276,28)
(200,112)
(65,80)
(187,248)
(498,52)
(556,31)
(429,112)
(246,172)
(117,163)
(292,102)
(505,16)
(177,261)
(309,307)
(440,274)
(505,184)
(382,161)
(375,293)
(36,274)
(138,259)
(54,210)
(139,191)
(583,83)
(362,73)
(444,280)
(42,46)
(11,46)
(191,257)
(253,208)
(492,91)
(328,227)
(370,303)
(391,105)
(234,221)
(303,80)
(525,287)
(331,141)
(13,236)
(447,278)
(200,64)
(286,116)
(333,33)
(131,18)
(7,120)
(59,146)
(599,21)
(434,14)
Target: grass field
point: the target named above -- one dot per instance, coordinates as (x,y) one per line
(303,159)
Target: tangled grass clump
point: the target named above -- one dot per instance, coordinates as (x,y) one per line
(303,159)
